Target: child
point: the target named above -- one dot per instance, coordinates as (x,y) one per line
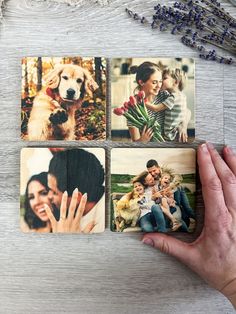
(176,119)
(127,210)
(177,116)
(167,201)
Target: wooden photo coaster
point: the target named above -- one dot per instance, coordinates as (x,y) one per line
(153,99)
(63,98)
(62,190)
(153,189)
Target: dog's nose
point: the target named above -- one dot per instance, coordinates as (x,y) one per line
(70,93)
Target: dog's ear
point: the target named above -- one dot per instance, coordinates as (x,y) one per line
(89,84)
(52,78)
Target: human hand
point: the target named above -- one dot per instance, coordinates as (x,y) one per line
(183,134)
(156,195)
(213,254)
(146,134)
(69,222)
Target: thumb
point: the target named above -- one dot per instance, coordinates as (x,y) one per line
(169,245)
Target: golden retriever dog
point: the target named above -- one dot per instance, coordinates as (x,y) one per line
(127,212)
(53,113)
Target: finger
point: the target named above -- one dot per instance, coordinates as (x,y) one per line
(185,138)
(171,246)
(81,208)
(144,130)
(150,136)
(50,215)
(230,158)
(211,186)
(149,131)
(226,177)
(73,204)
(63,207)
(89,227)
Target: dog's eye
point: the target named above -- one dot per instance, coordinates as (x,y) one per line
(65,77)
(79,80)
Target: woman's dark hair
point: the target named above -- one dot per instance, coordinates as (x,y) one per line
(33,221)
(144,71)
(141,178)
(78,168)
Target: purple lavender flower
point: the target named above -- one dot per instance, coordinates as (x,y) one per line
(202,23)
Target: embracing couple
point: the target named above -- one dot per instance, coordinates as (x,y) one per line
(67,198)
(162,200)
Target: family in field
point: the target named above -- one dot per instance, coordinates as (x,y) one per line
(157,202)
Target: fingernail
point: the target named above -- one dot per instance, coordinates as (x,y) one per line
(65,193)
(76,190)
(229,150)
(204,148)
(210,146)
(148,241)
(85,195)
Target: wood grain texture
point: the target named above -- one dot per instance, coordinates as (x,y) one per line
(107,273)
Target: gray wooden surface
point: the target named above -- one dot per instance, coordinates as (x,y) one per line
(106,273)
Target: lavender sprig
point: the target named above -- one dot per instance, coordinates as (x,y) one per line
(201,23)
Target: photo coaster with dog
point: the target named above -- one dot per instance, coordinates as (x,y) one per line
(63,98)
(62,190)
(153,189)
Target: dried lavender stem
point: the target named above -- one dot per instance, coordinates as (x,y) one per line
(223,12)
(233,51)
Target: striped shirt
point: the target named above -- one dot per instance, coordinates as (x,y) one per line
(162,98)
(174,116)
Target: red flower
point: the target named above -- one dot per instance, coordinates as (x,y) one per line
(119,111)
(126,105)
(124,108)
(141,94)
(132,101)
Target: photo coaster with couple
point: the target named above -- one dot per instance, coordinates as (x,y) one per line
(63,190)
(152,99)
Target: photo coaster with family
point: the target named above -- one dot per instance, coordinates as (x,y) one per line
(153,189)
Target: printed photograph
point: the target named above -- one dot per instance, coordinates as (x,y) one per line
(153,189)
(153,100)
(63,99)
(62,190)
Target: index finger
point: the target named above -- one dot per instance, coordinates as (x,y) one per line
(50,215)
(211,186)
(226,176)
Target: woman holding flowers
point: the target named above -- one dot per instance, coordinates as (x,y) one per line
(145,124)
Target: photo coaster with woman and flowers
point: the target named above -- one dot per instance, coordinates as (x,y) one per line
(153,189)
(153,99)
